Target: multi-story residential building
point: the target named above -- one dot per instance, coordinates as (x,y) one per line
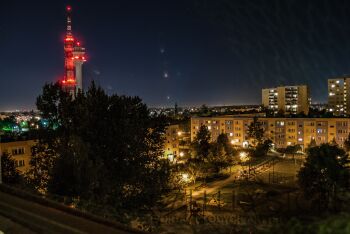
(20,151)
(339,96)
(289,99)
(282,131)
(176,143)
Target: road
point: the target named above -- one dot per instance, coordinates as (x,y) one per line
(41,219)
(9,226)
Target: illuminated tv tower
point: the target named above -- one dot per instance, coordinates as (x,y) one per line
(74,57)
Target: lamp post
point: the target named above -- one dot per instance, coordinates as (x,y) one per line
(245,158)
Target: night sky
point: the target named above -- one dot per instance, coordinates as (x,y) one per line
(218,52)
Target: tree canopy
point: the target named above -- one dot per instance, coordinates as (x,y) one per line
(324,172)
(201,143)
(9,172)
(256,132)
(99,148)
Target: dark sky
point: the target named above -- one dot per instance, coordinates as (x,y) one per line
(213,51)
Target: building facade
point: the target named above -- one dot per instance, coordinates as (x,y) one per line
(338,96)
(289,99)
(282,131)
(20,151)
(176,143)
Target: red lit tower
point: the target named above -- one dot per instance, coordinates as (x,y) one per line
(74,57)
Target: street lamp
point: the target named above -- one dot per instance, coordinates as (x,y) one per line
(171,157)
(182,154)
(243,156)
(185,177)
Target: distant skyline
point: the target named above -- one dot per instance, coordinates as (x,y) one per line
(192,52)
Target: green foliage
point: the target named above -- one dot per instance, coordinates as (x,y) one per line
(255,132)
(347,144)
(312,143)
(41,164)
(222,153)
(9,172)
(261,149)
(104,149)
(324,173)
(201,144)
(204,111)
(292,149)
(333,224)
(7,124)
(224,141)
(209,157)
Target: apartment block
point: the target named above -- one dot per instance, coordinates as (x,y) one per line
(176,143)
(289,99)
(282,131)
(338,96)
(20,151)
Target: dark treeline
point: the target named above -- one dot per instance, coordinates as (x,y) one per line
(99,149)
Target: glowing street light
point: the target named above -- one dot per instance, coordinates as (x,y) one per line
(171,157)
(243,156)
(182,154)
(179,133)
(185,177)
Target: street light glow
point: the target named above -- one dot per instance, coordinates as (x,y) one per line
(185,177)
(243,156)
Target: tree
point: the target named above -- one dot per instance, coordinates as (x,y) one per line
(103,149)
(224,141)
(196,168)
(255,131)
(312,143)
(280,113)
(324,173)
(201,143)
(347,144)
(204,110)
(261,149)
(222,153)
(293,149)
(9,172)
(218,157)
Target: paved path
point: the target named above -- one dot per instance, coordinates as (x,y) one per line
(42,219)
(235,176)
